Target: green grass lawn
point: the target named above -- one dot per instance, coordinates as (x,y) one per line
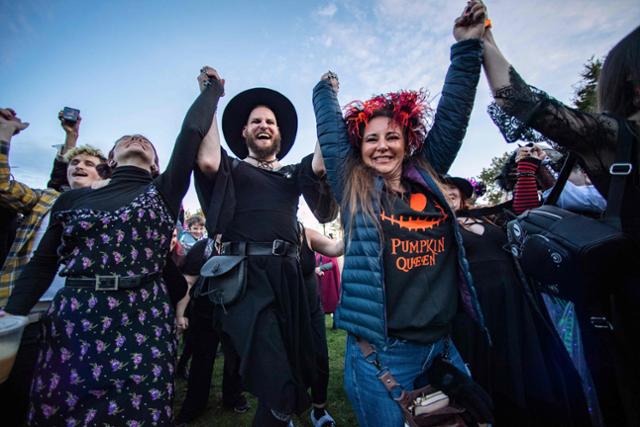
(338,405)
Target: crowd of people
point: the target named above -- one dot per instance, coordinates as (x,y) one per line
(433,292)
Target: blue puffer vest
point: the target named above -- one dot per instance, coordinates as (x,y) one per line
(362,304)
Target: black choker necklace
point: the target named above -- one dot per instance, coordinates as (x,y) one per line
(264,164)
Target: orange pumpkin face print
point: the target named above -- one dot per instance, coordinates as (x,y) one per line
(417,202)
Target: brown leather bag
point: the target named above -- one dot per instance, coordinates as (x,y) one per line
(441,412)
(423,407)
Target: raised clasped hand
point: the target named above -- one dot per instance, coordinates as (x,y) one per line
(332,78)
(471,23)
(206,75)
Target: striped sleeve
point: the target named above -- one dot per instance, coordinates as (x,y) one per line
(525,193)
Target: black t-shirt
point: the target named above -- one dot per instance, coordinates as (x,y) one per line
(420,266)
(266,204)
(246,203)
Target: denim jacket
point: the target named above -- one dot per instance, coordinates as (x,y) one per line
(362,310)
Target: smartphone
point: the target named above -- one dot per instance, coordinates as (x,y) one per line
(70,115)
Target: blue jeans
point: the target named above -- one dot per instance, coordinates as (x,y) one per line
(406,360)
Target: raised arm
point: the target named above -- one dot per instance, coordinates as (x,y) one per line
(317,163)
(210,151)
(459,91)
(523,112)
(332,133)
(173,183)
(58,179)
(71,131)
(528,164)
(14,195)
(316,191)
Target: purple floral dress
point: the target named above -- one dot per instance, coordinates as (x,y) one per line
(108,356)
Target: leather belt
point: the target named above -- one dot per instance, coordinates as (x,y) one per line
(111,282)
(276,248)
(35,317)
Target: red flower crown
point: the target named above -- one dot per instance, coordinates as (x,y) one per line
(409,109)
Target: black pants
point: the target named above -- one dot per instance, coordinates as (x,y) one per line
(610,351)
(319,386)
(265,418)
(187,351)
(627,325)
(14,393)
(205,337)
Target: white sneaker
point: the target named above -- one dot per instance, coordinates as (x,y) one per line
(324,421)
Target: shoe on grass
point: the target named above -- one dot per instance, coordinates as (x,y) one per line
(324,420)
(240,406)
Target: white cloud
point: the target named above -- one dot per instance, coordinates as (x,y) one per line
(327,11)
(391,44)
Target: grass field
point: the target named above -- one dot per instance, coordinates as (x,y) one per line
(338,405)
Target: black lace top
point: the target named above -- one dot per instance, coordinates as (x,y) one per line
(523,112)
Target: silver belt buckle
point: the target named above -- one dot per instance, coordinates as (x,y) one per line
(111,282)
(278,247)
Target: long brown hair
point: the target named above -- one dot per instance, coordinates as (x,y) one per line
(620,72)
(360,191)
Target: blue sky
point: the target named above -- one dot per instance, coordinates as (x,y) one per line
(130,66)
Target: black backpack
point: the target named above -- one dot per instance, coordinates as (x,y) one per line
(563,251)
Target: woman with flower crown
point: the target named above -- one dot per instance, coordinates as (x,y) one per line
(404,269)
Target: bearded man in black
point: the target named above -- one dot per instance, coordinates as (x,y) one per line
(252,201)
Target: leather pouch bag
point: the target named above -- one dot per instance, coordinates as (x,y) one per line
(225,279)
(427,407)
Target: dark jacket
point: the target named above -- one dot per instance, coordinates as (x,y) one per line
(362,306)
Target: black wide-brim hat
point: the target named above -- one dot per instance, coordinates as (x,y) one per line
(237,112)
(465,187)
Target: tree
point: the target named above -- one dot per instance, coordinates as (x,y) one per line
(494,194)
(188,214)
(584,96)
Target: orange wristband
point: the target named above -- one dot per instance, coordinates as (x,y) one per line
(487,23)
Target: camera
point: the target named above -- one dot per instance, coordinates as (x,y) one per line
(70,115)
